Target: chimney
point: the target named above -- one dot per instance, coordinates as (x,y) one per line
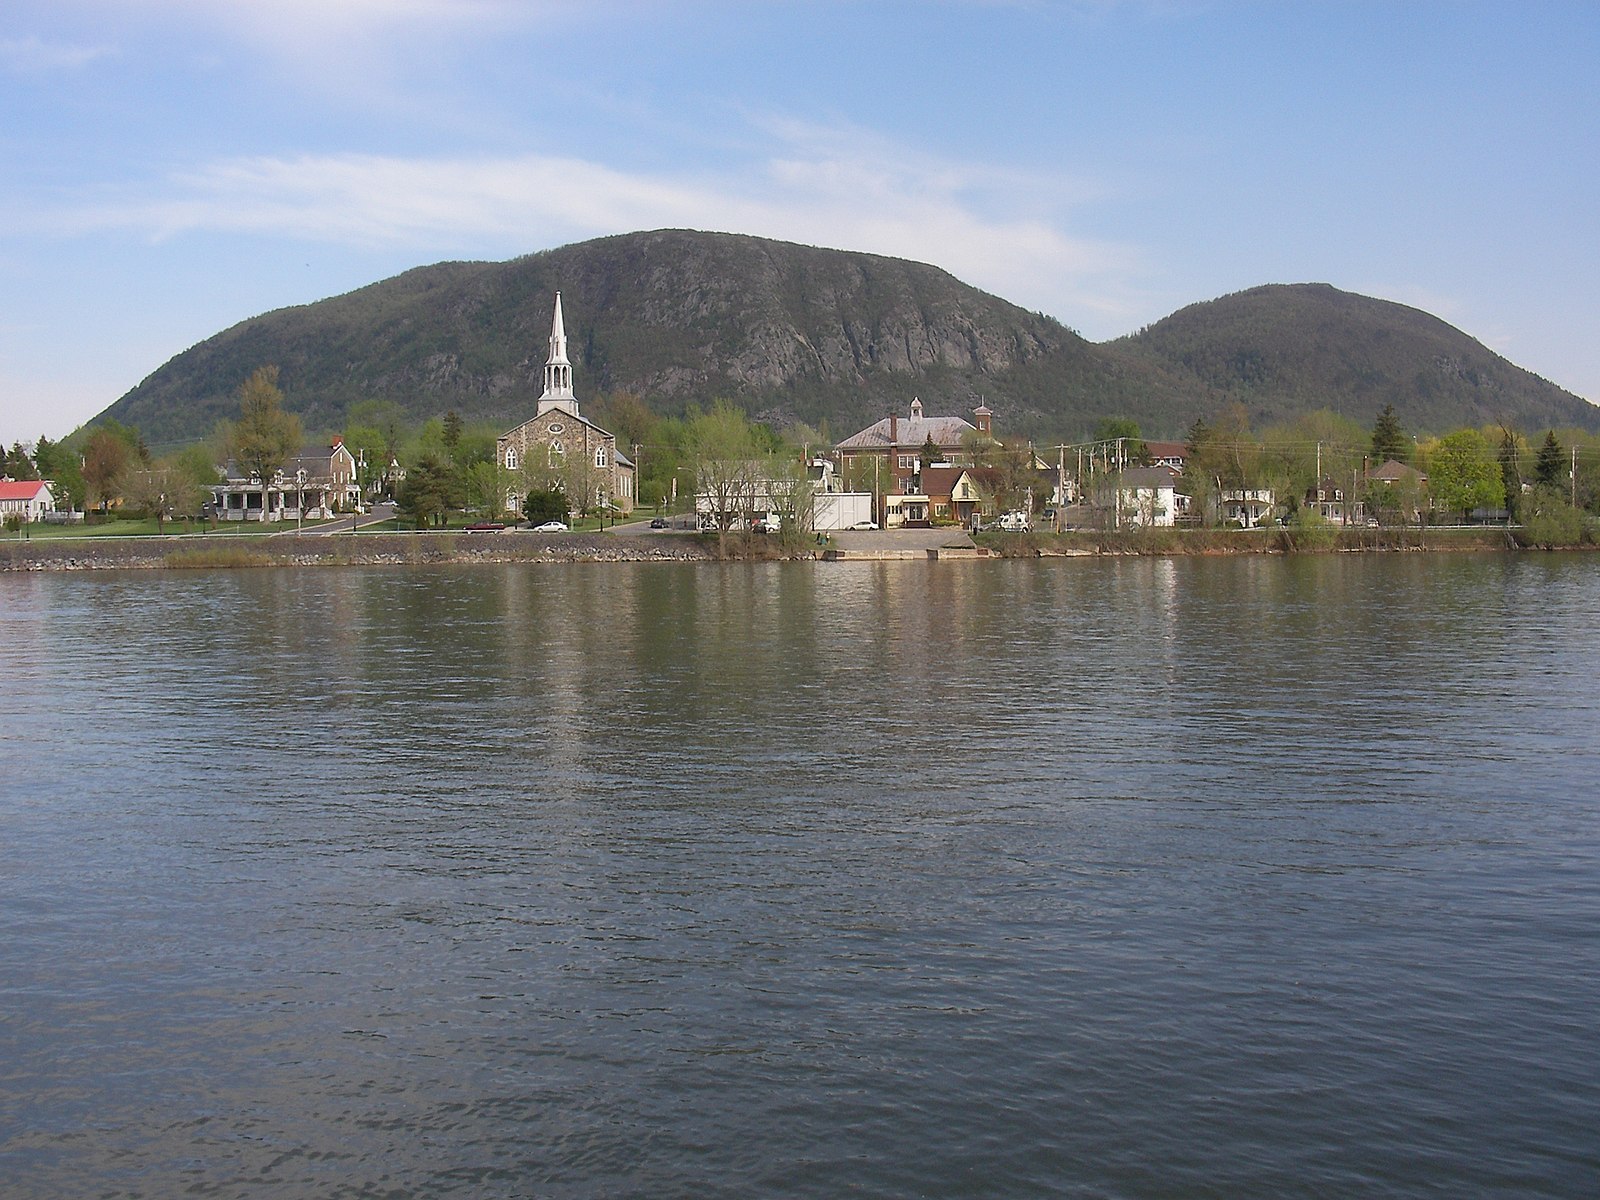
(338,440)
(894,429)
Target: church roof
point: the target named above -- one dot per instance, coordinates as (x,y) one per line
(567,412)
(911,432)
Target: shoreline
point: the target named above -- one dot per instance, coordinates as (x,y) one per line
(186,552)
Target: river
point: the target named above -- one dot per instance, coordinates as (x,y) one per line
(1244,877)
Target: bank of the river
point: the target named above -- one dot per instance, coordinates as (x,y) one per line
(1248,541)
(375,549)
(145,553)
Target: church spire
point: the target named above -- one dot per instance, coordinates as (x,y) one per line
(558,369)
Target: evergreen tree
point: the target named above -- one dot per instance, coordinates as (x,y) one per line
(1511,471)
(1551,466)
(1389,441)
(18,465)
(431,489)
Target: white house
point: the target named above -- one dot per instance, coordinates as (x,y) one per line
(1147,498)
(30,500)
(1249,508)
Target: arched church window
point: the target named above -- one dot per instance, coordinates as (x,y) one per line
(600,457)
(511,458)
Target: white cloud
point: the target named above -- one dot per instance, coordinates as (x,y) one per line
(999,230)
(32,54)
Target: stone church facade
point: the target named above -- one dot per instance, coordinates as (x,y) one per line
(560,449)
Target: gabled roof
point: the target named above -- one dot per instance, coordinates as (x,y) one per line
(1177,450)
(566,413)
(941,481)
(1149,477)
(27,489)
(1395,471)
(911,433)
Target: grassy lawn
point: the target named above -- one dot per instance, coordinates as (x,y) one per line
(147,528)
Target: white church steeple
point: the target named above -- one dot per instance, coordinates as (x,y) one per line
(558,370)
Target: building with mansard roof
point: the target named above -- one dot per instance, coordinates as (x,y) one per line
(559,449)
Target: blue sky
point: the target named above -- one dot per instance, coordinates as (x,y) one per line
(171,167)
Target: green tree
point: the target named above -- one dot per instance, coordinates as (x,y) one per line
(792,496)
(1551,467)
(1510,456)
(451,432)
(722,448)
(1463,474)
(1125,432)
(1389,440)
(544,504)
(18,465)
(264,436)
(1549,521)
(431,490)
(105,459)
(485,488)
(60,464)
(628,417)
(164,490)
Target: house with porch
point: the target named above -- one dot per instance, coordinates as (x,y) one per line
(315,484)
(1327,500)
(1248,508)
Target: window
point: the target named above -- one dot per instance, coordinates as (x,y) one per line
(600,456)
(907,461)
(511,458)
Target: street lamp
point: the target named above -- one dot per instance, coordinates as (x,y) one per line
(299,499)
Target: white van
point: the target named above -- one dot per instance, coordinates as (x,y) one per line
(1015,522)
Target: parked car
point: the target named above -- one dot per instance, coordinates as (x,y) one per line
(658,522)
(551,527)
(486,527)
(771,523)
(864,525)
(1015,522)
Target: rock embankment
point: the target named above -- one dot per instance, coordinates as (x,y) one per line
(375,549)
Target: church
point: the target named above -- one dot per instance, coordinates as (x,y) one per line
(559,449)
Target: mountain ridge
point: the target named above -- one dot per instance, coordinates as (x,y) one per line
(831,338)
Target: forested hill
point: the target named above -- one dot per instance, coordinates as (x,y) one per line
(831,338)
(1285,348)
(792,333)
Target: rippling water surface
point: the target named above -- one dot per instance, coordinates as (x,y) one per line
(1230,878)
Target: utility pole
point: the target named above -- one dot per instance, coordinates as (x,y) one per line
(1574,475)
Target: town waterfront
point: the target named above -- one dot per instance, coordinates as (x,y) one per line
(1247,877)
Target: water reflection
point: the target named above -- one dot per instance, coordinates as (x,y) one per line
(1130,877)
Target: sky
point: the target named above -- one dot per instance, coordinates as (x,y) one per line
(169,168)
